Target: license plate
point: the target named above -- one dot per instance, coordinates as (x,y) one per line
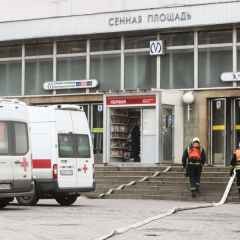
(5,186)
(66,172)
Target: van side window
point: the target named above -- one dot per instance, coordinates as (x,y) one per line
(66,146)
(74,145)
(83,146)
(3,138)
(21,138)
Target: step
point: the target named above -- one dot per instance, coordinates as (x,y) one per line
(205,169)
(186,197)
(124,173)
(148,173)
(183,178)
(154,169)
(203,187)
(133,168)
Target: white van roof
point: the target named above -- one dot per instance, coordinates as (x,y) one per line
(68,119)
(13,110)
(66,107)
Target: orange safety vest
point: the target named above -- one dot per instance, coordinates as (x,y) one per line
(194,153)
(237,153)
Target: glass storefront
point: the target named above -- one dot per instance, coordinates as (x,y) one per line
(192,60)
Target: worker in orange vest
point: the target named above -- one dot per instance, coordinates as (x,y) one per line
(236,164)
(193,159)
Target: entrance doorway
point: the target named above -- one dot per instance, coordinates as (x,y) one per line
(224,129)
(133,135)
(94,113)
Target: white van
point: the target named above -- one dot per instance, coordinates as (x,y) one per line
(15,155)
(62,154)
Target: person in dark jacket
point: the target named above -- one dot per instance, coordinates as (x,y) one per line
(193,159)
(236,165)
(135,138)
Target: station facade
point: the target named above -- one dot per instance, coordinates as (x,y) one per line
(131,65)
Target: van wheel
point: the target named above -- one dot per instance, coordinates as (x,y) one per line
(3,203)
(66,200)
(28,200)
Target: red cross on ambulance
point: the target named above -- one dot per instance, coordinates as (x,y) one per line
(24,164)
(85,168)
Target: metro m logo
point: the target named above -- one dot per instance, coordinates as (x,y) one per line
(156,48)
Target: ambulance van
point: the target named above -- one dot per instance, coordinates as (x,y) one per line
(15,152)
(62,154)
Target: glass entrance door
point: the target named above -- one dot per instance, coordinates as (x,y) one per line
(97,131)
(167,130)
(236,122)
(218,131)
(148,145)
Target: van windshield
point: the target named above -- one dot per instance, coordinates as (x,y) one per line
(74,145)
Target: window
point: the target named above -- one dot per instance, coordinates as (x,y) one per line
(140,71)
(177,70)
(39,49)
(212,63)
(178,39)
(139,41)
(3,138)
(13,138)
(212,37)
(74,145)
(10,51)
(107,44)
(71,68)
(66,145)
(21,136)
(71,47)
(10,78)
(106,69)
(37,72)
(83,146)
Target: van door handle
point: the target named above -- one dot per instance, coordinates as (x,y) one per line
(17,162)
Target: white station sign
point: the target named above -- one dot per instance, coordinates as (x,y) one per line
(73,84)
(230,76)
(156,48)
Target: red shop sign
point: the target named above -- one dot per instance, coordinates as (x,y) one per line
(131,100)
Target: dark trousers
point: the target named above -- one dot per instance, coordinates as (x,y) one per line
(194,172)
(238,178)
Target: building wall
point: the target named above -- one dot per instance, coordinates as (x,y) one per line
(199,116)
(12,10)
(41,19)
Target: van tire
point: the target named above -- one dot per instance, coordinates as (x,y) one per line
(28,200)
(4,203)
(66,200)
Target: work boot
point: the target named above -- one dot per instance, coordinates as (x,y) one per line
(198,189)
(194,194)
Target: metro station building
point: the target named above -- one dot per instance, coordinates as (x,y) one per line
(127,62)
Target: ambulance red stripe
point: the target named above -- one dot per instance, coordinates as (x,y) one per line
(41,163)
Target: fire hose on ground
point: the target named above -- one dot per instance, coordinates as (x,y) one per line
(171,212)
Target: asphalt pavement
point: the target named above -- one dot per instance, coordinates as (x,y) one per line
(89,219)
